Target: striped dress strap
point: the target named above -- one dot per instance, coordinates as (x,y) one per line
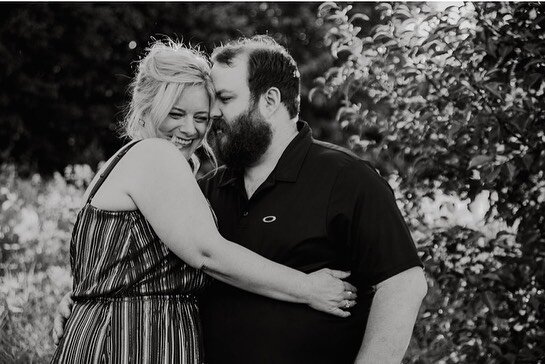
(109,168)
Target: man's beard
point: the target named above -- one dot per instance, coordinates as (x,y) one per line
(241,144)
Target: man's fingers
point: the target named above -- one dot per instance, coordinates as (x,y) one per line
(338,273)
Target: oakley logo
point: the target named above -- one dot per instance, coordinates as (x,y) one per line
(268,219)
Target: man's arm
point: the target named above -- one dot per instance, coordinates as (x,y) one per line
(392,317)
(363,211)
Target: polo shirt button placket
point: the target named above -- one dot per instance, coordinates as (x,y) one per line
(243,222)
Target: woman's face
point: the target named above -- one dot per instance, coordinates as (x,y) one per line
(186,124)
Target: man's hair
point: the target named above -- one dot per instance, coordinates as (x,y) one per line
(269,65)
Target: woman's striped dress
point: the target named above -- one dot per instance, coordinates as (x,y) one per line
(134,299)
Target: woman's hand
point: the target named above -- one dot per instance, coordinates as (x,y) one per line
(329,293)
(63,313)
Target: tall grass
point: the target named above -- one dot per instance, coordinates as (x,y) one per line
(36,218)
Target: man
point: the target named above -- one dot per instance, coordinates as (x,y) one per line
(308,205)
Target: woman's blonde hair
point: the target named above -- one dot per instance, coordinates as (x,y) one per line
(163,74)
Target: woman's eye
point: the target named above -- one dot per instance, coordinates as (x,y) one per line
(225,99)
(201,119)
(176,115)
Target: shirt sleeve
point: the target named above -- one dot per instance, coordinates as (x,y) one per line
(362,212)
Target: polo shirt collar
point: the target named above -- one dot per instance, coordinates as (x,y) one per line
(289,165)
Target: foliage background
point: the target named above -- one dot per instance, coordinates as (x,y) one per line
(446,101)
(449,101)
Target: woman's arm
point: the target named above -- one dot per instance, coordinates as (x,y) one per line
(160,182)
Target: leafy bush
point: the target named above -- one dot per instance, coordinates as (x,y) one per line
(452,100)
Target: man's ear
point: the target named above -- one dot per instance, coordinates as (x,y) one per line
(270,101)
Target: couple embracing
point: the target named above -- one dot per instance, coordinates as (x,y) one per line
(294,251)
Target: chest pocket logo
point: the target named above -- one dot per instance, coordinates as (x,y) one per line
(269,219)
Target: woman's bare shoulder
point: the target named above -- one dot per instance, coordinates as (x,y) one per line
(155,152)
(155,157)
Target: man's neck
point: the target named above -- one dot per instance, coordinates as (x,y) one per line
(255,175)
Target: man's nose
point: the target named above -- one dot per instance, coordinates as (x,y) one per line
(215,110)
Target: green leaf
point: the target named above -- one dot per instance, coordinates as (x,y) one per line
(454,129)
(402,14)
(426,116)
(447,27)
(468,86)
(335,16)
(506,50)
(383,7)
(489,299)
(492,276)
(441,52)
(493,174)
(531,47)
(479,160)
(358,16)
(521,122)
(429,17)
(335,52)
(345,111)
(326,7)
(528,160)
(496,348)
(312,92)
(493,88)
(491,48)
(452,7)
(511,170)
(534,62)
(532,79)
(381,37)
(431,37)
(319,81)
(331,72)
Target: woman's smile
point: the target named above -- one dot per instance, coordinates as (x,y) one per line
(181,142)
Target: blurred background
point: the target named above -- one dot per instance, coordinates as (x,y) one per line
(446,99)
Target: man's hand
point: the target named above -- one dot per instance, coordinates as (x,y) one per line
(63,312)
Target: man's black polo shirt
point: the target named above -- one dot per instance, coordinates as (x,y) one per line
(321,207)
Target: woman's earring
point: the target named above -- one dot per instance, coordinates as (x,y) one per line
(142,122)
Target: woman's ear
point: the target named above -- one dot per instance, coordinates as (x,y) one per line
(269,101)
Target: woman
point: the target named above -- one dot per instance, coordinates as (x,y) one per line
(146,235)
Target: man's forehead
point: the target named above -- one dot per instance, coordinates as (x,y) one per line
(230,76)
